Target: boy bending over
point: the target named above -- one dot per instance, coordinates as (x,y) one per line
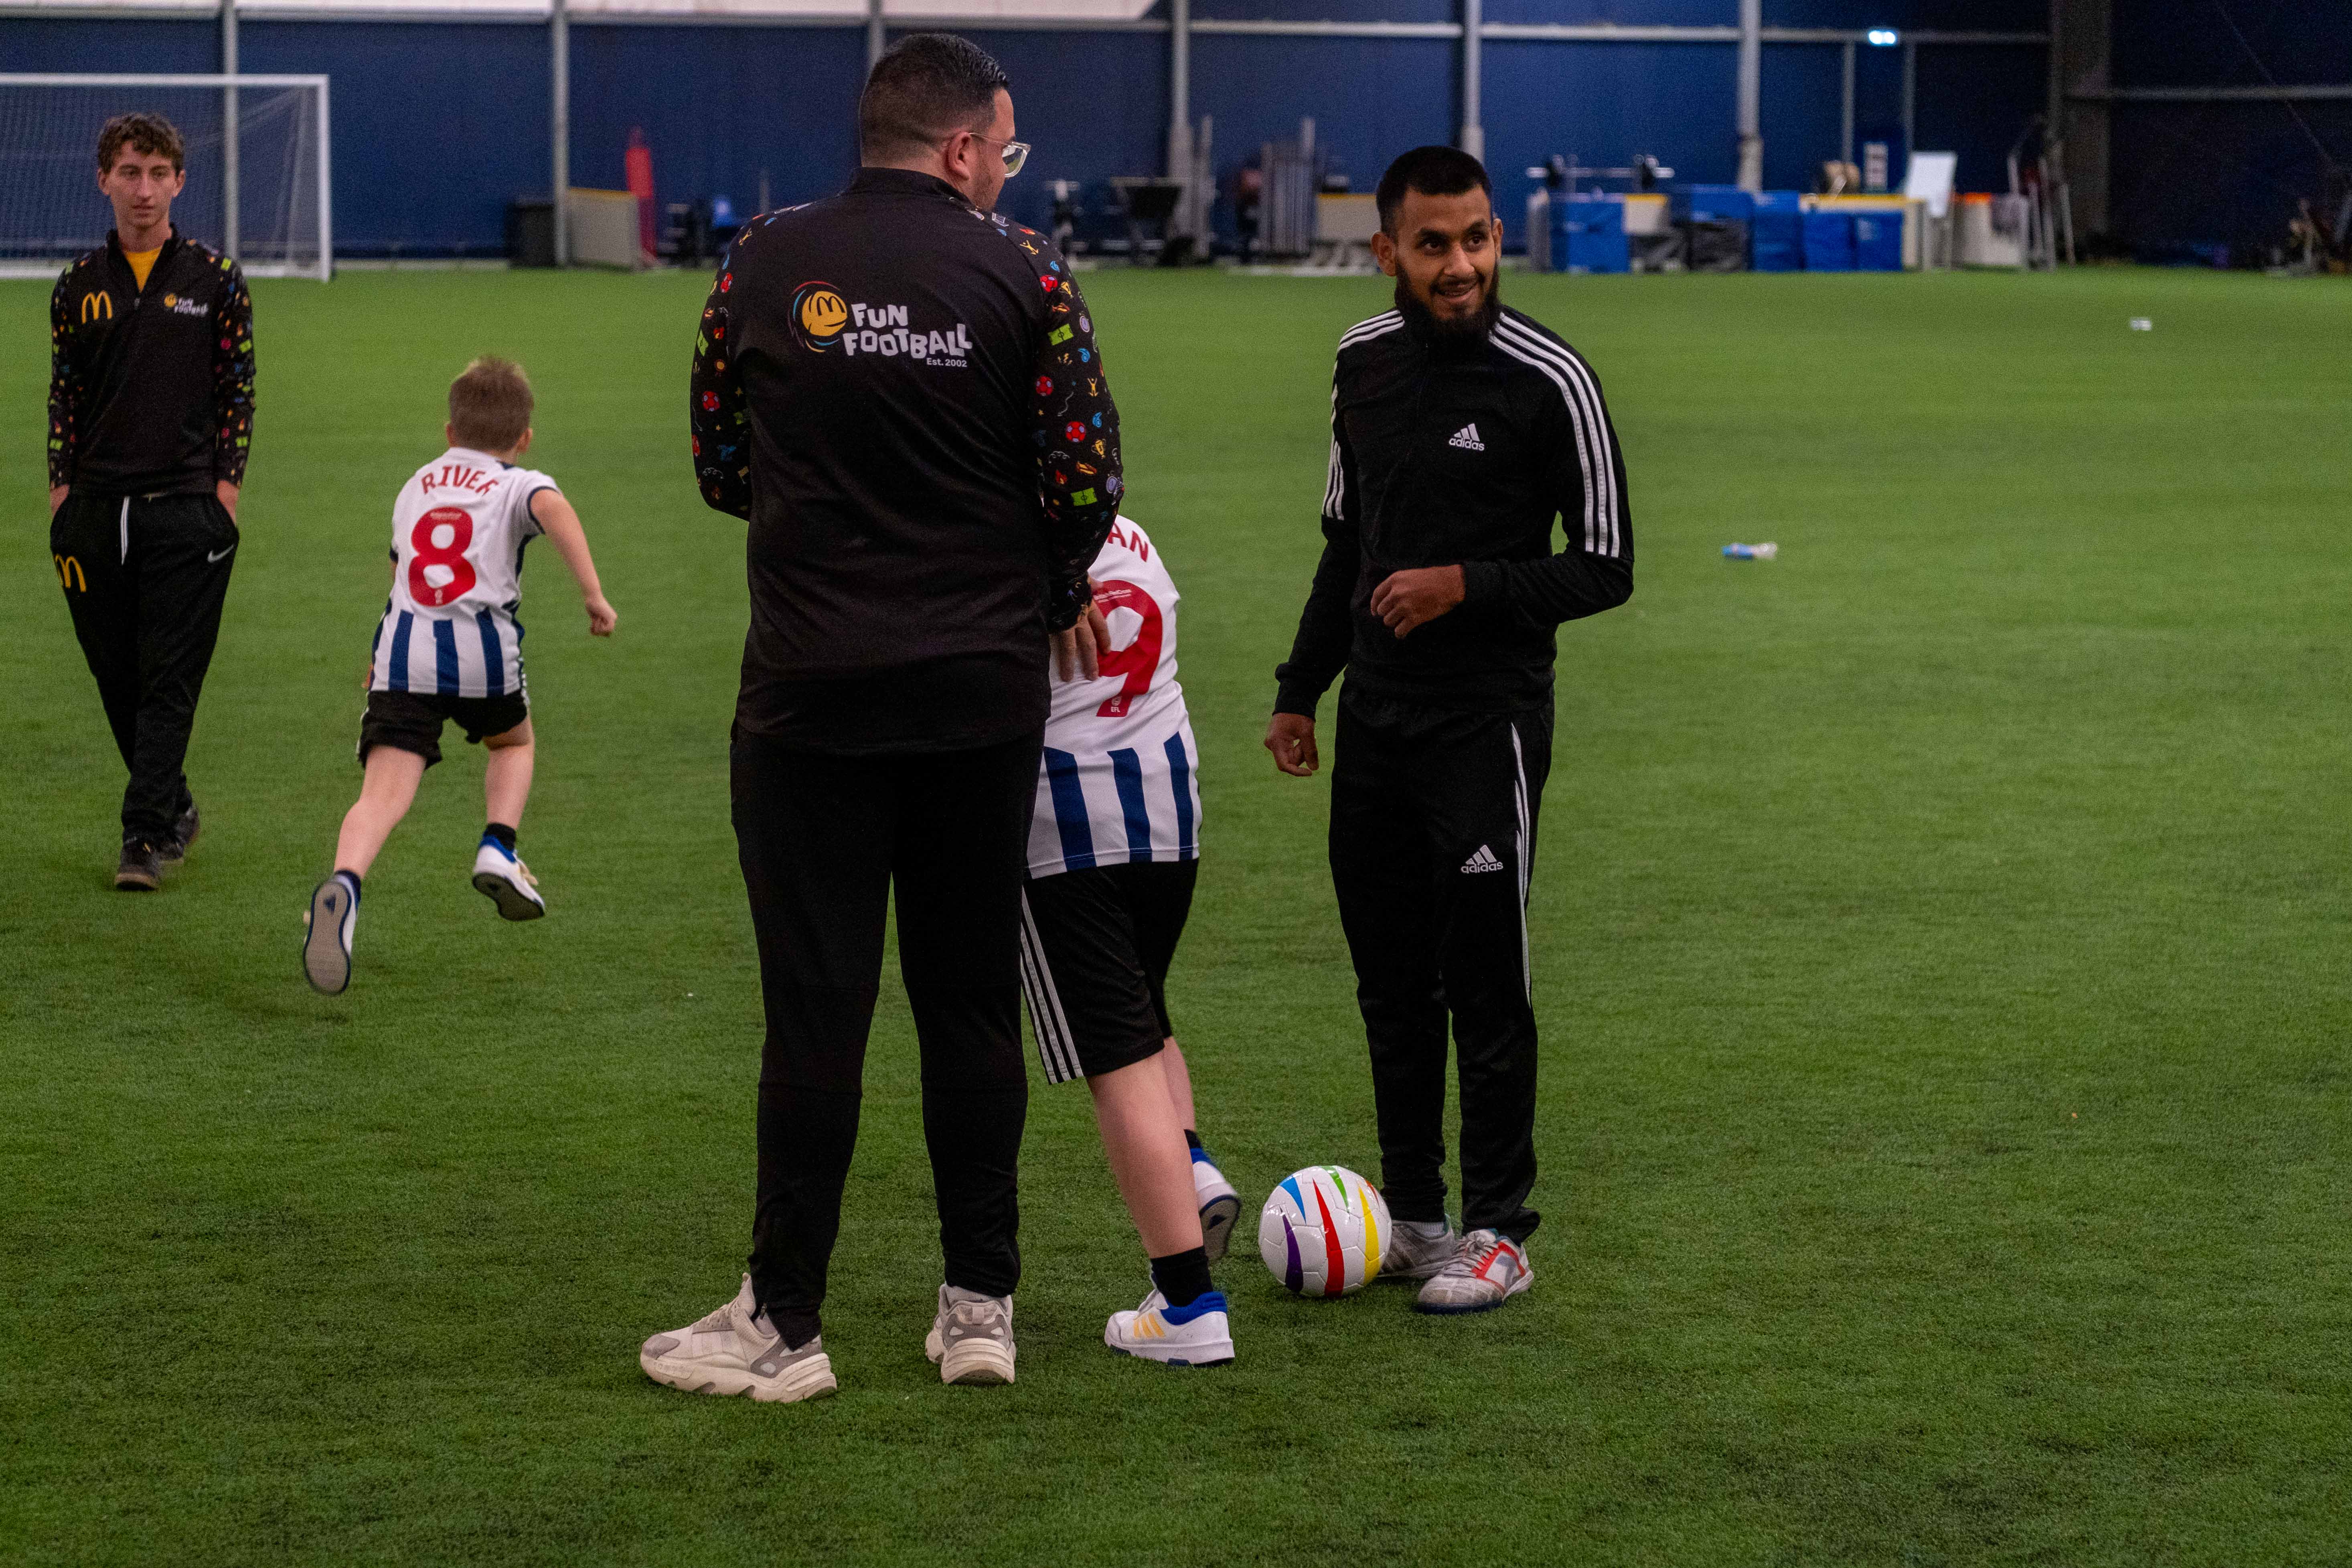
(449,648)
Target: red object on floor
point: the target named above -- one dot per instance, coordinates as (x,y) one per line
(639,165)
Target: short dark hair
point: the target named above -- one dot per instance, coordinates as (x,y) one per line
(491,404)
(1432,171)
(149,133)
(925,88)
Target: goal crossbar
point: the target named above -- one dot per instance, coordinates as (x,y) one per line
(227,81)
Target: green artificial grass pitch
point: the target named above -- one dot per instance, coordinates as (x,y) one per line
(1941,947)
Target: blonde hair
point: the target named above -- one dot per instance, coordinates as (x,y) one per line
(491,404)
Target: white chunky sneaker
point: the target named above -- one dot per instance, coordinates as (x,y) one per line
(733,1351)
(1199,1333)
(1489,1270)
(326,943)
(508,882)
(1220,1205)
(1411,1256)
(971,1338)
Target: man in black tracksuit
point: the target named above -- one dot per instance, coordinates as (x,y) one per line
(151,414)
(1459,430)
(902,395)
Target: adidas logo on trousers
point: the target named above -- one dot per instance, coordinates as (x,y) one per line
(1484,860)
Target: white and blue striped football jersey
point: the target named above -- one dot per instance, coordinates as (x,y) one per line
(1121,776)
(457,534)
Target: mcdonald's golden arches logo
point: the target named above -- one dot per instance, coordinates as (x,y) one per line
(69,573)
(97,305)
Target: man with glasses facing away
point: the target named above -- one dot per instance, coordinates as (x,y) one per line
(901,392)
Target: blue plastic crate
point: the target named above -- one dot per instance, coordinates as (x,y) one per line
(1587,235)
(1878,242)
(1829,242)
(1717,203)
(1777,232)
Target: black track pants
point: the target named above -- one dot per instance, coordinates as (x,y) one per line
(145,580)
(1433,838)
(823,840)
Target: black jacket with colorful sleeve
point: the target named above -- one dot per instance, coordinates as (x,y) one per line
(903,397)
(151,390)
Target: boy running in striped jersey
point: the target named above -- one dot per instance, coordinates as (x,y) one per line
(1114,848)
(449,648)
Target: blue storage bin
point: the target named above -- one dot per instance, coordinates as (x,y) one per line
(1587,235)
(1717,204)
(1777,232)
(1878,242)
(1829,242)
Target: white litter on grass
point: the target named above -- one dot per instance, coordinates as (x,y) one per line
(1750,551)
(2142,324)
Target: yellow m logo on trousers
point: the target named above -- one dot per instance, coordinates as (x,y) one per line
(69,573)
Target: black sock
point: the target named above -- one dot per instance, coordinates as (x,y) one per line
(503,834)
(1191,1138)
(1183,1277)
(353,879)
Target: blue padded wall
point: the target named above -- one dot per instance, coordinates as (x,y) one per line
(425,160)
(718,105)
(1370,98)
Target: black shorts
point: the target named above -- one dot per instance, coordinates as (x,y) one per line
(412,720)
(1094,951)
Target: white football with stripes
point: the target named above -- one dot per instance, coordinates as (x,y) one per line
(1323,1231)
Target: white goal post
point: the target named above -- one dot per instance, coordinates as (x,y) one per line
(261,186)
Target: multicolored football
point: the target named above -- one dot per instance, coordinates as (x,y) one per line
(1322,1230)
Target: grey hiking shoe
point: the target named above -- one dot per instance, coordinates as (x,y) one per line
(1408,1256)
(1489,1270)
(971,1338)
(732,1352)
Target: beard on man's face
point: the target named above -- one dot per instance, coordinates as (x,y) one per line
(1458,332)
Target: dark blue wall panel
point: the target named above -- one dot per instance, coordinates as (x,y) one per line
(436,128)
(1976,100)
(2224,173)
(718,105)
(41,44)
(1969,15)
(1606,103)
(1800,113)
(1370,99)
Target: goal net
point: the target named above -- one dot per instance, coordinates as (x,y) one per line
(256,159)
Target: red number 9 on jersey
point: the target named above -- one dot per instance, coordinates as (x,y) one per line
(1138,659)
(449,557)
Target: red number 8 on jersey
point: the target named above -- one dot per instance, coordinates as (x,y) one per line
(1136,661)
(449,557)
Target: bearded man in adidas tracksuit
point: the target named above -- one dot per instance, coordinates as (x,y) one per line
(1459,430)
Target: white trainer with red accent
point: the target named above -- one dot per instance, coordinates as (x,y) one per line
(1489,1270)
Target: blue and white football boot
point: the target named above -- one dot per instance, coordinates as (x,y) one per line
(1200,1333)
(506,882)
(1220,1205)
